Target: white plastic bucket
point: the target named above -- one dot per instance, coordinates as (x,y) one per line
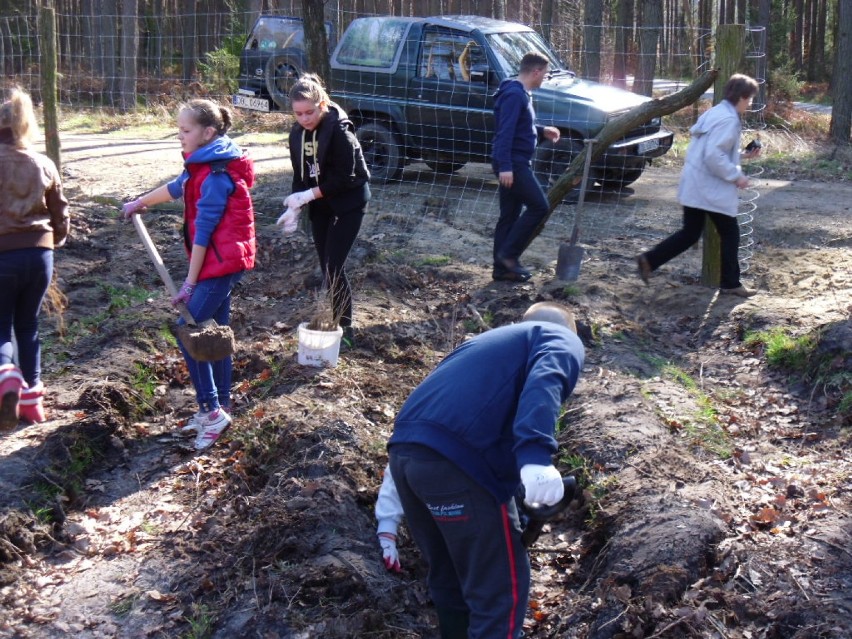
(319,348)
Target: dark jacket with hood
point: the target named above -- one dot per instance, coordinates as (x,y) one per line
(33,210)
(491,406)
(218,211)
(516,133)
(333,149)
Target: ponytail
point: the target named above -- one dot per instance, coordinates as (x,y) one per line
(17,114)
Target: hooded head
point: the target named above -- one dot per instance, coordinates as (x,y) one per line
(551,312)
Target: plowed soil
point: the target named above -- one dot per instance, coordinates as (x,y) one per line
(718,488)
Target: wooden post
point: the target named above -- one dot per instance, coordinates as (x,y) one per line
(730,49)
(50,103)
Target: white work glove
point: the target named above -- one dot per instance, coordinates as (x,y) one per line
(390,554)
(298,199)
(289,220)
(542,485)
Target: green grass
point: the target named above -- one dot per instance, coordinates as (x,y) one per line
(782,350)
(201,622)
(701,425)
(144,380)
(435,260)
(120,297)
(122,606)
(571,290)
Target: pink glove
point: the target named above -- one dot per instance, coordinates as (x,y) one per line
(390,554)
(289,220)
(184,294)
(131,208)
(298,199)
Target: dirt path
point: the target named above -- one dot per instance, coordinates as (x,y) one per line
(718,489)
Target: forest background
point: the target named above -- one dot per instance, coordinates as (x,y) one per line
(118,53)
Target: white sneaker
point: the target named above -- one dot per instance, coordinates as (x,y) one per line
(211,426)
(193,424)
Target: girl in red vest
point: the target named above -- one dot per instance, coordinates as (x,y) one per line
(219,236)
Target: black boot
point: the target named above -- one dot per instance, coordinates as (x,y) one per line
(453,623)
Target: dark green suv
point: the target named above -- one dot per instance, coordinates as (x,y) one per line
(272,59)
(422,89)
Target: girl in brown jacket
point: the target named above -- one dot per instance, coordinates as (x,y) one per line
(33,221)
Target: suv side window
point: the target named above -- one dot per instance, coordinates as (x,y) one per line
(371,42)
(447,55)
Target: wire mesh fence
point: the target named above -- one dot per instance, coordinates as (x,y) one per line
(172,51)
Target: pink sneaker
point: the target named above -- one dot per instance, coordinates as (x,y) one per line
(11,382)
(30,407)
(211,426)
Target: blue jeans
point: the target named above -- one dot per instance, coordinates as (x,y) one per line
(514,231)
(24,277)
(212,380)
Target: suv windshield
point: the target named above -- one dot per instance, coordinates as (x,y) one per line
(276,33)
(510,47)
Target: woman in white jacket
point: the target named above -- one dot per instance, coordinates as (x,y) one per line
(708,186)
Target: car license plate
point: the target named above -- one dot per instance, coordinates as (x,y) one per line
(648,145)
(255,104)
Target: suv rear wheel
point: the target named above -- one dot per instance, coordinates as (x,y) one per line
(282,71)
(382,151)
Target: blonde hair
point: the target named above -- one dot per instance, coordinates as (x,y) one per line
(18,115)
(208,113)
(309,87)
(551,312)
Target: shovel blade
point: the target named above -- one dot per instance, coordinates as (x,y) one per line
(568,262)
(206,342)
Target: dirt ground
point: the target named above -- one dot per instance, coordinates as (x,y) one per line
(718,490)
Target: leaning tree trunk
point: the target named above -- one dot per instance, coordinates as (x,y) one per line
(623,29)
(730,49)
(316,39)
(109,61)
(593,19)
(129,54)
(189,39)
(649,37)
(841,112)
(617,129)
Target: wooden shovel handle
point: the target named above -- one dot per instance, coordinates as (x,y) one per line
(154,254)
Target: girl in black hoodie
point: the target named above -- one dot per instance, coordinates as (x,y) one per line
(331,178)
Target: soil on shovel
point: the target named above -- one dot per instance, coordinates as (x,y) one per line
(717,488)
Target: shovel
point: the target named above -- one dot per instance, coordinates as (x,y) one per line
(570,255)
(533,519)
(205,342)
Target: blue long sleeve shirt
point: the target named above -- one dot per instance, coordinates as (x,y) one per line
(491,406)
(516,133)
(216,188)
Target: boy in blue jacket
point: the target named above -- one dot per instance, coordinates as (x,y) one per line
(477,427)
(515,140)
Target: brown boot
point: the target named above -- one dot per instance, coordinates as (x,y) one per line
(644,268)
(30,407)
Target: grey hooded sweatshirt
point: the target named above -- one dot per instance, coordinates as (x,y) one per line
(712,167)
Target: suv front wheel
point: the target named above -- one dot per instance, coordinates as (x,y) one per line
(382,151)
(282,71)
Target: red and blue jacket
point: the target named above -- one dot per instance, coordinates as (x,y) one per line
(218,211)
